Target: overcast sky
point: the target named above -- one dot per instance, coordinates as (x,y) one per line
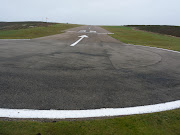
(97,12)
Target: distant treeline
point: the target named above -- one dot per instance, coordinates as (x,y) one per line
(162,29)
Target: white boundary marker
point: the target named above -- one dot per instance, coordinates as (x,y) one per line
(65,114)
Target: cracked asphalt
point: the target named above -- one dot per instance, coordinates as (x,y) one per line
(99,72)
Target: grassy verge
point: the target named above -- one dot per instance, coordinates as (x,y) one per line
(23,25)
(164,123)
(162,29)
(35,32)
(131,36)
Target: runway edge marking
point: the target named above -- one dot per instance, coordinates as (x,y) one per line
(106,112)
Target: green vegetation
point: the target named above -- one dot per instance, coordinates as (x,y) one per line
(162,29)
(22,25)
(131,36)
(164,123)
(34,32)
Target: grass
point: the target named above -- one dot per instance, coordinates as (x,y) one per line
(131,36)
(35,32)
(23,25)
(163,123)
(162,29)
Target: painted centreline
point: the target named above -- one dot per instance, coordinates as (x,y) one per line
(107,112)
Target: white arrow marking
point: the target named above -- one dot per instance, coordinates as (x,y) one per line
(81,38)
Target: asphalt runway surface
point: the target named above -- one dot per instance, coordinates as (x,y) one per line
(99,72)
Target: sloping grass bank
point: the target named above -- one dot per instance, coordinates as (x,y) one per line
(131,36)
(23,25)
(35,32)
(164,123)
(162,29)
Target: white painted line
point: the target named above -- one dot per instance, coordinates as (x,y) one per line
(92,31)
(81,38)
(71,31)
(82,31)
(106,33)
(110,33)
(64,114)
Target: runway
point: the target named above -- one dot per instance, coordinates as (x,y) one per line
(97,72)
